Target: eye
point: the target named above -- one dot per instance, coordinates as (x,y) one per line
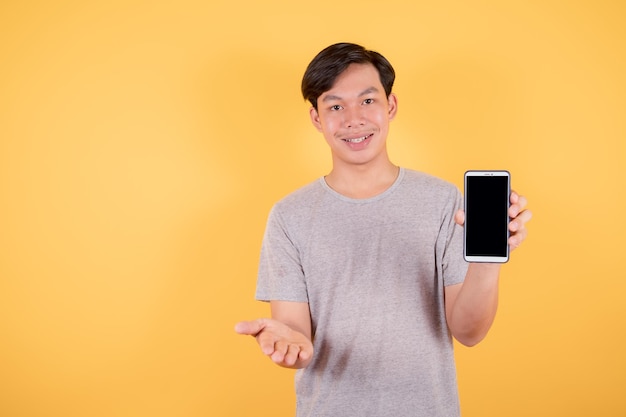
(336,107)
(368,101)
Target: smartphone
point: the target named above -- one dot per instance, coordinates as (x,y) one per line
(486,230)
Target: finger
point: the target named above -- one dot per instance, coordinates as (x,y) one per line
(517,199)
(266,342)
(518,207)
(519,222)
(292,355)
(459,217)
(524,217)
(280,351)
(305,352)
(251,328)
(516,239)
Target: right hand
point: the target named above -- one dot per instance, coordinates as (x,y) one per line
(284,346)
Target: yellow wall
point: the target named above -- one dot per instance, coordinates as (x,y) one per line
(142,144)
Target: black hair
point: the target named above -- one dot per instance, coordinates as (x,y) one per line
(327,65)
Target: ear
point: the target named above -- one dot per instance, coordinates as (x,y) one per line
(392,106)
(315,118)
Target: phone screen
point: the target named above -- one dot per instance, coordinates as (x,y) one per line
(486,216)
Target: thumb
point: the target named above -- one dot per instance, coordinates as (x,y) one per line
(459,217)
(251,328)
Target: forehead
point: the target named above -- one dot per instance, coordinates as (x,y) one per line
(355,79)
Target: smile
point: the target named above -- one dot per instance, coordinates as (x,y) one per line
(357,140)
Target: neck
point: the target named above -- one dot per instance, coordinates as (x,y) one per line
(360,181)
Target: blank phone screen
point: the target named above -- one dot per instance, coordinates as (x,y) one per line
(486,211)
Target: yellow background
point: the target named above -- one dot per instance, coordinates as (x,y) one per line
(142,144)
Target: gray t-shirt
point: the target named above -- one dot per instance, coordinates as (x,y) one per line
(373,272)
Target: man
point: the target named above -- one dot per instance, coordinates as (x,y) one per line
(363,269)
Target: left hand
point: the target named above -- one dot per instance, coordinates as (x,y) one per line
(517,225)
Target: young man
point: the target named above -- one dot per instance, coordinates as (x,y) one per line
(363,269)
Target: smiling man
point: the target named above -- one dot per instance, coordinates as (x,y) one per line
(363,268)
(354,115)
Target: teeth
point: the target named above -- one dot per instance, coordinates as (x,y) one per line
(356,140)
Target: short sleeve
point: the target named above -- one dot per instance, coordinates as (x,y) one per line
(450,244)
(280,275)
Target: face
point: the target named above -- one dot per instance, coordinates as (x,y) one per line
(354,116)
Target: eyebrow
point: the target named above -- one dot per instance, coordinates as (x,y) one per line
(363,93)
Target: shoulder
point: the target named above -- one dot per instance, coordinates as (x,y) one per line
(302,196)
(428,194)
(426,183)
(298,203)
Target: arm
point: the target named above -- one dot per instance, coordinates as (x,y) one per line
(286,337)
(471,306)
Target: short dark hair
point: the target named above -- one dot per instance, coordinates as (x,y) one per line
(327,65)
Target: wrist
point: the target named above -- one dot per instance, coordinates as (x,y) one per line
(484,270)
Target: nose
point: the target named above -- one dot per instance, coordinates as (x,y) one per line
(353,117)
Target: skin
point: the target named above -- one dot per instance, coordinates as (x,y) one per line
(356,107)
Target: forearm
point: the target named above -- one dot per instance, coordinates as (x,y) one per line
(474,306)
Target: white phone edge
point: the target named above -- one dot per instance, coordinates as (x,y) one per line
(487,259)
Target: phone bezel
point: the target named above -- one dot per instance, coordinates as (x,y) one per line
(484,258)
